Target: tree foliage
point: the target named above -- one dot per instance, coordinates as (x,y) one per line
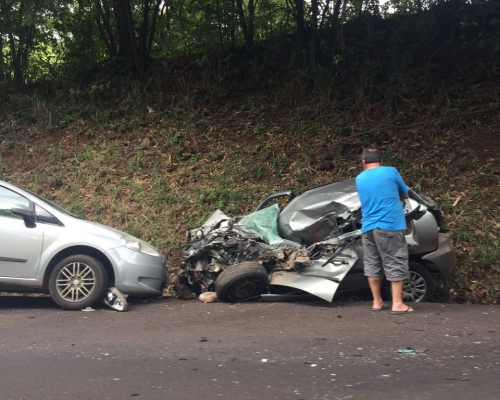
(66,38)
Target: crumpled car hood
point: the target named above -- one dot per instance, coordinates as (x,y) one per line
(224,241)
(313,216)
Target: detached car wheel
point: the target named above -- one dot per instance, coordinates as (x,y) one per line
(419,287)
(241,281)
(77,282)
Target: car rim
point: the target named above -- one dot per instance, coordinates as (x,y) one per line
(244,289)
(414,288)
(75,282)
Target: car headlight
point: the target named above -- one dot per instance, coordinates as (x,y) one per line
(139,245)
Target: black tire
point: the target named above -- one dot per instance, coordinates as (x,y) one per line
(241,281)
(78,282)
(419,287)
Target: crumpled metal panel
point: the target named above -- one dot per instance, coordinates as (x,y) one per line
(315,214)
(321,287)
(322,277)
(220,243)
(223,243)
(421,235)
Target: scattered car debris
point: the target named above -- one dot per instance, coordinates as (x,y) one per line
(208,297)
(409,351)
(116,300)
(311,246)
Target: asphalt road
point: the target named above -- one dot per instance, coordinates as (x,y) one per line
(173,349)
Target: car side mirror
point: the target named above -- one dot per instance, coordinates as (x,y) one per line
(26,213)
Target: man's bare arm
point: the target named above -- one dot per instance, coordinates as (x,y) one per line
(403,196)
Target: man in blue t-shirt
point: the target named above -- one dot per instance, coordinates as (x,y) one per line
(381,191)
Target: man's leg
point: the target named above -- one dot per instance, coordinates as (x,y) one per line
(375,282)
(394,254)
(397,297)
(373,268)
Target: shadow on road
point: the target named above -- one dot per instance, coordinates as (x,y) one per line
(26,301)
(44,301)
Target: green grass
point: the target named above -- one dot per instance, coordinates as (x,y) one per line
(158,175)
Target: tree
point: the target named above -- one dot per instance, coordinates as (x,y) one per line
(18,23)
(299,17)
(314,31)
(2,61)
(127,28)
(104,20)
(247,22)
(127,40)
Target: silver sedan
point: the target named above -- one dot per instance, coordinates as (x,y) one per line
(44,248)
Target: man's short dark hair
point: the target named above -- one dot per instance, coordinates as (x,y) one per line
(372,156)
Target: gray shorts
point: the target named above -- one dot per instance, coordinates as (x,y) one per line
(385,252)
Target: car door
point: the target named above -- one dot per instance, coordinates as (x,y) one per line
(20,246)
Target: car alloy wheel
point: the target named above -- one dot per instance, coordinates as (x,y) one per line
(77,282)
(414,288)
(418,287)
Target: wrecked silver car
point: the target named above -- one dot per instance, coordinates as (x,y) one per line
(311,246)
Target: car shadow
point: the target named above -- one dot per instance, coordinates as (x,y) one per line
(342,298)
(26,301)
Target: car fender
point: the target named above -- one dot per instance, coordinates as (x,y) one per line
(322,278)
(56,244)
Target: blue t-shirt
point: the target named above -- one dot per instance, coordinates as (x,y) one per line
(379,189)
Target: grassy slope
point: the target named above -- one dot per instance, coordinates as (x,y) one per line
(156,158)
(158,174)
